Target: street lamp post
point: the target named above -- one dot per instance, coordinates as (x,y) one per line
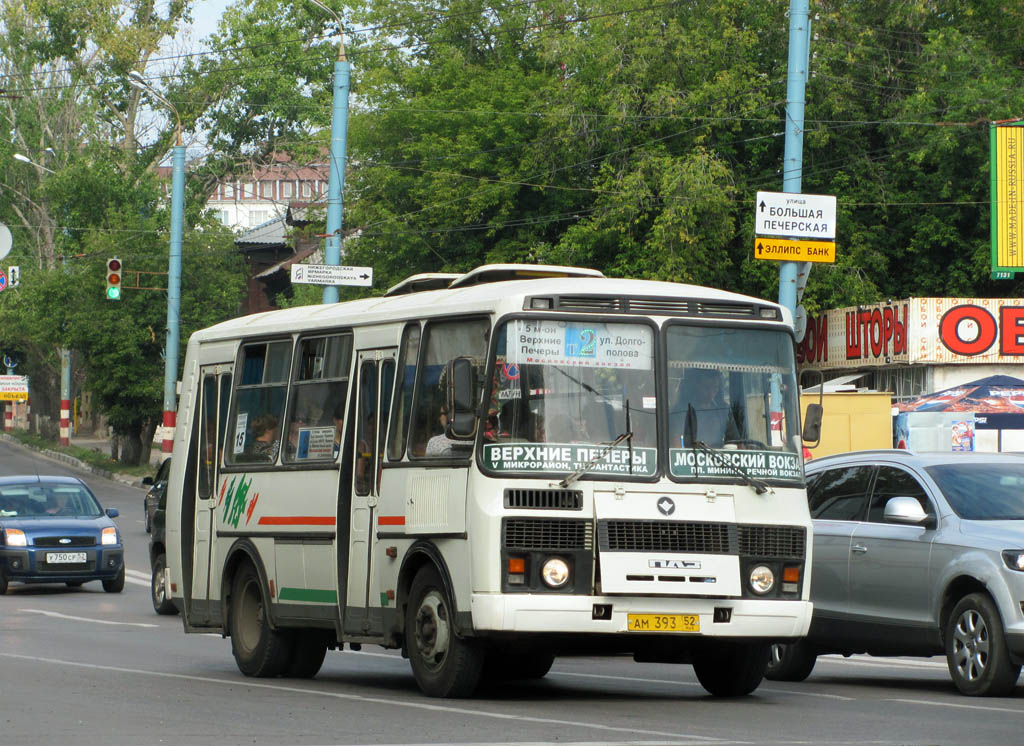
(29,161)
(173,270)
(336,174)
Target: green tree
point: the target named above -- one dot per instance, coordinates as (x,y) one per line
(94,193)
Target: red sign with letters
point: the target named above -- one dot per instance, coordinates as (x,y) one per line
(918,330)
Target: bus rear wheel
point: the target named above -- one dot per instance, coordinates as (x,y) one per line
(259,650)
(309,648)
(728,669)
(443,664)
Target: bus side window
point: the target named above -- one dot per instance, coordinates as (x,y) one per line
(319,388)
(258,410)
(387,384)
(366,426)
(404,388)
(207,436)
(444,341)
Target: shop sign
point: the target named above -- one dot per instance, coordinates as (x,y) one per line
(918,330)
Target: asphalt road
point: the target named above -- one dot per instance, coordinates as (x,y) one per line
(84,667)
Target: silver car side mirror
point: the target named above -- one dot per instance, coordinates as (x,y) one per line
(904,510)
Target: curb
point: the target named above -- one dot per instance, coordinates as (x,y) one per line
(77,463)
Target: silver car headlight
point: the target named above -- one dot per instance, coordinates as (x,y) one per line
(762,579)
(1014,559)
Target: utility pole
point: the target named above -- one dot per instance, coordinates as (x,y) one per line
(173,272)
(336,174)
(792,169)
(64,437)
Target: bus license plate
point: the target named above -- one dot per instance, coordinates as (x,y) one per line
(663,623)
(54,558)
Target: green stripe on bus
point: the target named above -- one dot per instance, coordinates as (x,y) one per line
(314,595)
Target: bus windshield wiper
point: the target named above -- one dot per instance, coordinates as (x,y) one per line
(629,438)
(760,487)
(571,478)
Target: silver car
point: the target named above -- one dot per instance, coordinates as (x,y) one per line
(917,554)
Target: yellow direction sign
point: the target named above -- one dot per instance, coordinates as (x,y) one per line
(794,250)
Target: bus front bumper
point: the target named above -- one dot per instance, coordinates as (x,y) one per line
(719,617)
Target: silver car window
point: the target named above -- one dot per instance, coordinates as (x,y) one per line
(840,494)
(982,492)
(895,482)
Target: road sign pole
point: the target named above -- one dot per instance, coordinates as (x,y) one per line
(799,44)
(173,296)
(336,175)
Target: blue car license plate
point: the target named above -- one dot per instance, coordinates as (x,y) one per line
(68,558)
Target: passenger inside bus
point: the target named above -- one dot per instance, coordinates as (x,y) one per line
(441,444)
(713,420)
(266,442)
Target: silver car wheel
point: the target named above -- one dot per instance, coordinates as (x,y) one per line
(970,645)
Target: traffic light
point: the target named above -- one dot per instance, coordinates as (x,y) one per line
(114,279)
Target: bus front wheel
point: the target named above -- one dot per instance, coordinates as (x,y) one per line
(731,669)
(443,664)
(259,650)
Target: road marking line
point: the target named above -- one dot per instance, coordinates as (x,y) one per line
(396,657)
(947,703)
(58,615)
(138,573)
(883,663)
(136,581)
(237,683)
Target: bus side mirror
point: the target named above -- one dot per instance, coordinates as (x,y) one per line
(812,423)
(462,398)
(812,419)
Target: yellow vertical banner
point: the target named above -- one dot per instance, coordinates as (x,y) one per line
(1009,204)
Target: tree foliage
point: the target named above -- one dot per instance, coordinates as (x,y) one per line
(90,192)
(633,136)
(625,135)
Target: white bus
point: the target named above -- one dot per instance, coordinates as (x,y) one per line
(492,469)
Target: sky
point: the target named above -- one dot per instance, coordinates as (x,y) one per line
(205,15)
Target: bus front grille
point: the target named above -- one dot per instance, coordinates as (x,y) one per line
(544,499)
(767,542)
(784,542)
(547,534)
(665,536)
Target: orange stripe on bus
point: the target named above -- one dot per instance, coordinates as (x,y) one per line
(391,520)
(297,520)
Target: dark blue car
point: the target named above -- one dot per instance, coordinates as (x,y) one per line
(53,530)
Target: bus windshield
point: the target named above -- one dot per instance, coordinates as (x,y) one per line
(731,390)
(563,391)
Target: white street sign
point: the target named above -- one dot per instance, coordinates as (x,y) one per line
(795,215)
(5,240)
(328,274)
(13,388)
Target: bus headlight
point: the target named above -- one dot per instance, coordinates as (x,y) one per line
(762,579)
(555,572)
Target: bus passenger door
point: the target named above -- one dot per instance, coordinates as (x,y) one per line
(213,405)
(369,418)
